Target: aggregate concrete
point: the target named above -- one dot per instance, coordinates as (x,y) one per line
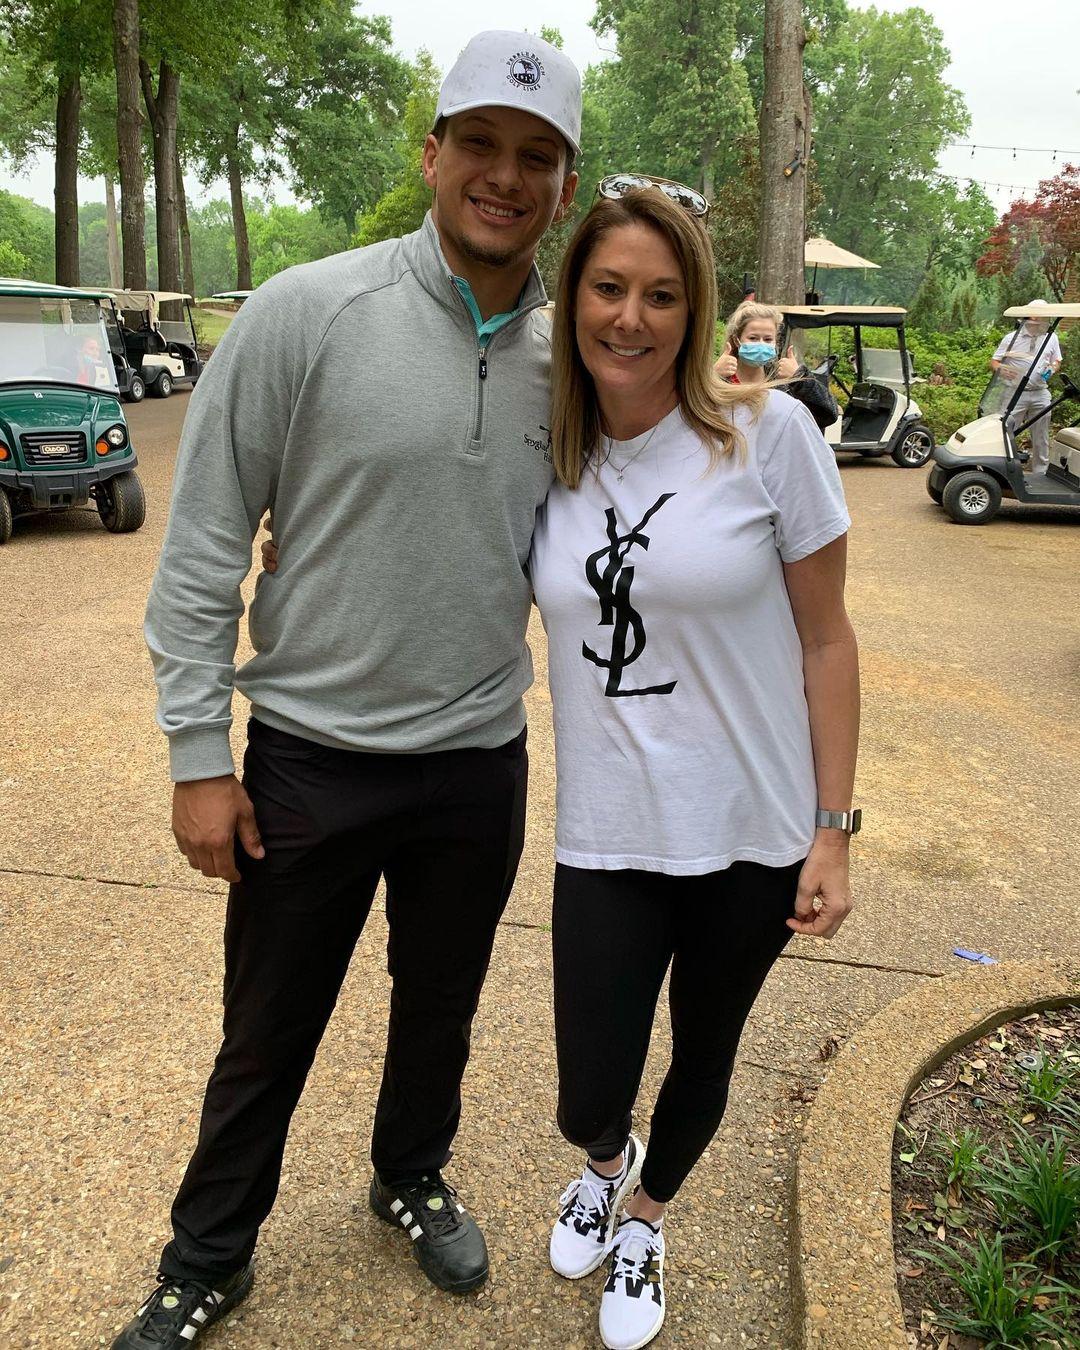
(968,777)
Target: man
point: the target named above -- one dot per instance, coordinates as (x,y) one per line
(1024,353)
(389,405)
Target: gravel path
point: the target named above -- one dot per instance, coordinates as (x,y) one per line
(110,948)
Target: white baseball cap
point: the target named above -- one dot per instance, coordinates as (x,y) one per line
(515,70)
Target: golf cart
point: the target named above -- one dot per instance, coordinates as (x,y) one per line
(879,416)
(63,438)
(982,462)
(162,352)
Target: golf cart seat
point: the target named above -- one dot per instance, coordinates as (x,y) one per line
(872,398)
(1069,436)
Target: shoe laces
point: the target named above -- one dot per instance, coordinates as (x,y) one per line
(633,1249)
(588,1198)
(437,1221)
(160,1325)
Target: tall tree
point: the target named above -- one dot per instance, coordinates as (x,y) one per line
(163,107)
(678,98)
(883,111)
(785,151)
(129,141)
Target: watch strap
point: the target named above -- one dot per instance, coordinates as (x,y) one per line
(848,821)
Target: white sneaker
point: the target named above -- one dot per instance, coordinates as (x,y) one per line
(632,1304)
(588,1209)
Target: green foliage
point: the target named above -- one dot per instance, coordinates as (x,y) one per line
(286,235)
(401,210)
(341,111)
(1003,1297)
(1036,1193)
(28,228)
(960,1155)
(678,99)
(1050,1085)
(12,262)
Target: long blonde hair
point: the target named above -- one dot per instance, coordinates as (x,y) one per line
(705,400)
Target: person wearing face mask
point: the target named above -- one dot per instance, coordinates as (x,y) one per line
(750,356)
(1024,354)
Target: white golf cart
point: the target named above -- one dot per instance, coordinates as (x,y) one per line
(982,462)
(879,416)
(163,352)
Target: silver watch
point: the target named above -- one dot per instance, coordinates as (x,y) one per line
(848,821)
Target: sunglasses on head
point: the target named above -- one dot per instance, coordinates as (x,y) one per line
(617,185)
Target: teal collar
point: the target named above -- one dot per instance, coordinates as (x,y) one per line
(485,328)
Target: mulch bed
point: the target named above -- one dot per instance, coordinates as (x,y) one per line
(979,1088)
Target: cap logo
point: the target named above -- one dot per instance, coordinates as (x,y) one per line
(525,69)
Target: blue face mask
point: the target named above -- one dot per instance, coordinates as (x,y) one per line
(756,353)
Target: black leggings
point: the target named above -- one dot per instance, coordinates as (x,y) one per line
(614,936)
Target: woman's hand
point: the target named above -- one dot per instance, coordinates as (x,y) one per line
(269,548)
(824,898)
(787,365)
(726,366)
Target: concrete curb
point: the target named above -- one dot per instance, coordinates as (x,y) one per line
(845,1283)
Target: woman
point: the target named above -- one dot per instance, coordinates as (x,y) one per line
(750,356)
(689,569)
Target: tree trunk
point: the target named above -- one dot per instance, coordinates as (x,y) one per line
(66,189)
(162,108)
(115,276)
(784,131)
(129,141)
(185,232)
(239,217)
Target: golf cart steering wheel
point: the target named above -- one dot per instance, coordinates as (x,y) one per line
(1068,385)
(54,373)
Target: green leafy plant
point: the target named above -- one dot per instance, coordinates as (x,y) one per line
(1049,1086)
(960,1154)
(1036,1193)
(1008,1303)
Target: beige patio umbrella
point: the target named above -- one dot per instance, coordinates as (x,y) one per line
(825,254)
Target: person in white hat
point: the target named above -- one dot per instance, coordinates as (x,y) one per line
(1027,355)
(391,406)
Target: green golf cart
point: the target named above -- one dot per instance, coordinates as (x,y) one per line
(63,437)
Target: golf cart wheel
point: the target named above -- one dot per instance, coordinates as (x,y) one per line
(7,521)
(915,448)
(972,497)
(137,392)
(120,503)
(162,386)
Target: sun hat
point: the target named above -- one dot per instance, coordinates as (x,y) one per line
(500,69)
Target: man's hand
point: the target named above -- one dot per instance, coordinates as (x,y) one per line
(268,548)
(206,816)
(824,898)
(726,366)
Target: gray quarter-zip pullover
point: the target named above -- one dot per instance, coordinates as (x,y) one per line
(403,468)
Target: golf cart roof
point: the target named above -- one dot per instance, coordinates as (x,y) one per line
(143,299)
(42,290)
(839,316)
(1048,311)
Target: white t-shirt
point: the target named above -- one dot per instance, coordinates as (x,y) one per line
(682,735)
(1018,357)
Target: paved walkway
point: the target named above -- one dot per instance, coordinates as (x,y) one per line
(110,948)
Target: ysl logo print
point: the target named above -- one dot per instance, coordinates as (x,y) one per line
(612,587)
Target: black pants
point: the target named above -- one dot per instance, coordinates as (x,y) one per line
(446,830)
(614,936)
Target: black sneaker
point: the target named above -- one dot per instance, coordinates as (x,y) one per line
(178,1311)
(447,1242)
